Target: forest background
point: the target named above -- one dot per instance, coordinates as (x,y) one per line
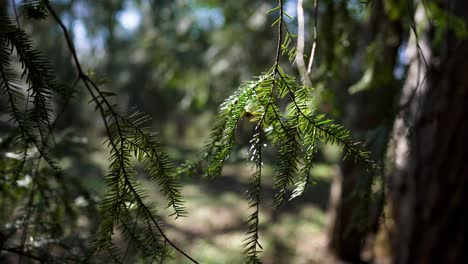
(373,67)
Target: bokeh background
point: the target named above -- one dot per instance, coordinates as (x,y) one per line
(177,60)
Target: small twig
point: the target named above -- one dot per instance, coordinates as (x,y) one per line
(280,34)
(314,43)
(300,45)
(13,3)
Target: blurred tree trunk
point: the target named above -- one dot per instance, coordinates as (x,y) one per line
(368,110)
(430,149)
(3,8)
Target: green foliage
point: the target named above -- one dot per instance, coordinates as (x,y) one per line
(252,244)
(231,110)
(124,202)
(45,196)
(282,110)
(295,132)
(125,196)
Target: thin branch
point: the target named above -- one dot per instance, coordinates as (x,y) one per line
(300,45)
(90,85)
(150,215)
(314,43)
(13,3)
(280,34)
(256,184)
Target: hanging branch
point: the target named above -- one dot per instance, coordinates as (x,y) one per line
(294,132)
(314,42)
(301,66)
(119,146)
(280,34)
(304,71)
(252,243)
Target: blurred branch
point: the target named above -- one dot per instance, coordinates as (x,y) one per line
(300,45)
(13,3)
(90,86)
(280,33)
(314,43)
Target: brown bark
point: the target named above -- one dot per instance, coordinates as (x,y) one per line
(349,213)
(430,148)
(346,235)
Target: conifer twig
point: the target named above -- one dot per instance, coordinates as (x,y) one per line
(90,85)
(280,34)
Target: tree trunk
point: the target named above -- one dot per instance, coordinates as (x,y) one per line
(430,148)
(367,111)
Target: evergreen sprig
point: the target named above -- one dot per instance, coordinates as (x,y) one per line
(146,147)
(252,245)
(295,131)
(222,136)
(11,87)
(46,201)
(34,123)
(231,111)
(127,138)
(288,161)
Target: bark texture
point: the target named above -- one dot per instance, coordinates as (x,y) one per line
(350,213)
(429,184)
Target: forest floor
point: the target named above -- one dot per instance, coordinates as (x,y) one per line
(214,230)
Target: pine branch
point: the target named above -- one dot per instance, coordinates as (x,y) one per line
(252,243)
(196,167)
(145,238)
(120,178)
(304,174)
(288,160)
(145,146)
(327,131)
(40,75)
(41,78)
(10,85)
(231,111)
